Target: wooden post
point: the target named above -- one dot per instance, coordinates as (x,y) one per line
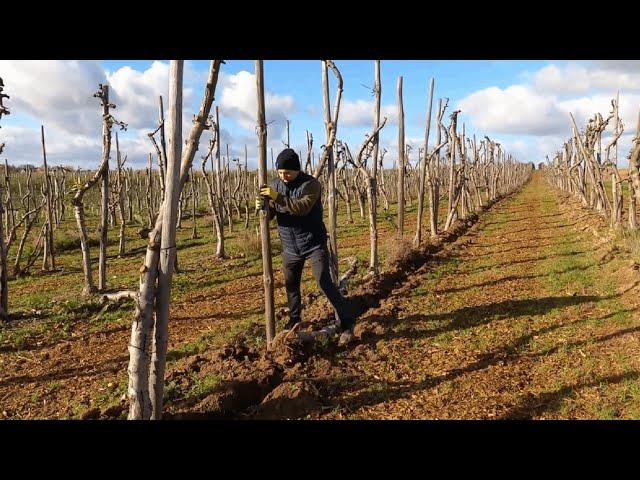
(267,269)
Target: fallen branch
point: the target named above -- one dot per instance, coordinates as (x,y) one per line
(353,268)
(119,296)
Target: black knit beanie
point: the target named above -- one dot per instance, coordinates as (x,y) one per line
(288,160)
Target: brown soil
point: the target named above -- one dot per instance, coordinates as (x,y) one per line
(488,321)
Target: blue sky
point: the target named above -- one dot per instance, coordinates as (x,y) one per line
(522,104)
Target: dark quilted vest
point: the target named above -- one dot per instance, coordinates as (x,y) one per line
(299,234)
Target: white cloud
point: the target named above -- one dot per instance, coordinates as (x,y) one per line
(359,113)
(576,78)
(514,110)
(24,147)
(58,93)
(238,101)
(618,65)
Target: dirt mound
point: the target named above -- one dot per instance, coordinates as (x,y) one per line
(286,350)
(289,400)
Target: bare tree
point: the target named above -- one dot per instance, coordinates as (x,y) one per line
(401,158)
(331,130)
(331,137)
(423,169)
(140,345)
(48,242)
(168,239)
(80,189)
(219,190)
(4,291)
(212,195)
(120,194)
(360,162)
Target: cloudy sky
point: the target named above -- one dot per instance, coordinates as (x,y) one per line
(524,105)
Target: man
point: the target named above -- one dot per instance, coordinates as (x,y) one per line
(294,199)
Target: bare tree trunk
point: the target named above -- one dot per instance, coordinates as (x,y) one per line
(381,185)
(120,199)
(360,194)
(32,215)
(401,166)
(308,168)
(371,185)
(104,226)
(336,112)
(331,132)
(89,287)
(149,192)
(168,240)
(139,344)
(267,268)
(48,242)
(452,180)
(10,217)
(220,194)
(288,140)
(213,203)
(423,169)
(4,290)
(616,181)
(56,200)
(77,201)
(632,207)
(347,192)
(228,182)
(194,232)
(128,188)
(634,171)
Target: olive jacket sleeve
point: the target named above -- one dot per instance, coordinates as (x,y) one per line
(302,205)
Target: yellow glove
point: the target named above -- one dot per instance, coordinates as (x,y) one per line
(269,192)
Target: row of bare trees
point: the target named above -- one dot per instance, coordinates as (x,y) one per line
(466,172)
(461,171)
(587,168)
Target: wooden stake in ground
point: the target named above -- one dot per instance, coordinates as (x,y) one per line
(267,268)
